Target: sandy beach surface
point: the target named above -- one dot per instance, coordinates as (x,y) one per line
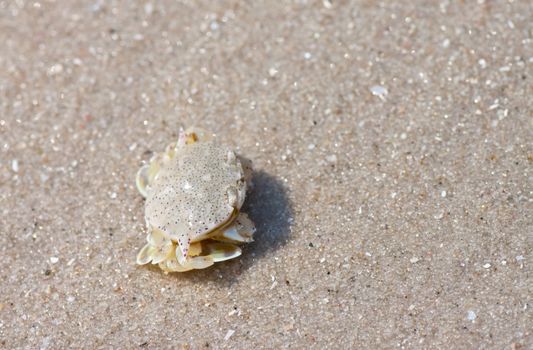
(392,144)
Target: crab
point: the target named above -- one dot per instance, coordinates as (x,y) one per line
(194,191)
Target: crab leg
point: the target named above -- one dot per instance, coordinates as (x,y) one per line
(247,169)
(219,251)
(147,173)
(172,264)
(240,231)
(157,250)
(153,254)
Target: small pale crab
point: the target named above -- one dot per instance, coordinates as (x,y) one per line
(194,192)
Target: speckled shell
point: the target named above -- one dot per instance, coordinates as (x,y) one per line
(196,191)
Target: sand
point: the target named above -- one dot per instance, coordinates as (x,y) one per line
(392,144)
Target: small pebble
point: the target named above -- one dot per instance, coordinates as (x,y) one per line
(148,8)
(331,158)
(379,91)
(471,315)
(55,69)
(214,26)
(15,165)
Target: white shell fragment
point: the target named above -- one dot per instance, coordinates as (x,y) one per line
(194,192)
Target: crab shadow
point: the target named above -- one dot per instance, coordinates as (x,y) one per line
(269,207)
